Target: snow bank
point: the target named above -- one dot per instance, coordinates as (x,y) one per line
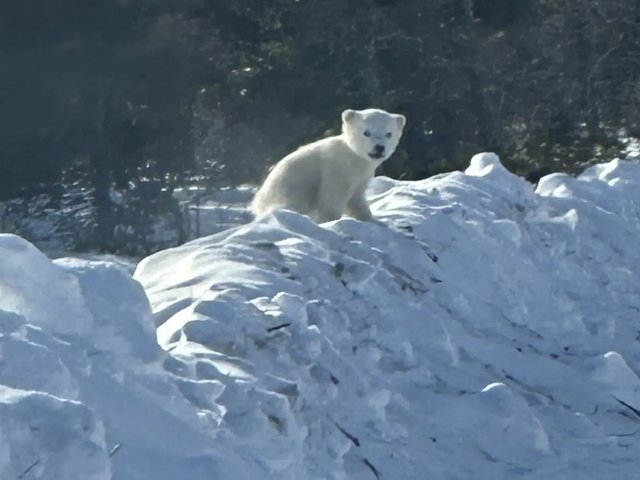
(483,330)
(83,393)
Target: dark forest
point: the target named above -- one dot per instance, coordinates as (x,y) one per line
(145,96)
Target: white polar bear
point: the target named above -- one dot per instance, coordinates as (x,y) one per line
(328,178)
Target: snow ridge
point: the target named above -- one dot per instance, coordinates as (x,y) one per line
(346,351)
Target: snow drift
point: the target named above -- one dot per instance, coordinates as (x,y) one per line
(483,329)
(83,394)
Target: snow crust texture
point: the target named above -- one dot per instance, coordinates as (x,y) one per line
(483,329)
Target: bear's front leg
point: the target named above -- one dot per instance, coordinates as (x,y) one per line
(328,214)
(358,207)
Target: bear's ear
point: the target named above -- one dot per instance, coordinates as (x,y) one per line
(348,115)
(401,119)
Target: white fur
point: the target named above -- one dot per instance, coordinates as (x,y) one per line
(328,178)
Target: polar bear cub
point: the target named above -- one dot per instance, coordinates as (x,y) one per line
(328,178)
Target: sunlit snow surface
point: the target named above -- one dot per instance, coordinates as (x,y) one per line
(483,329)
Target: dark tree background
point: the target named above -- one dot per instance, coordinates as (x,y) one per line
(142,96)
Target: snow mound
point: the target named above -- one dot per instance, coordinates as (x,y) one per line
(482,329)
(83,393)
(60,309)
(45,437)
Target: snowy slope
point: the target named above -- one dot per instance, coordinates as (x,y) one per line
(81,377)
(481,330)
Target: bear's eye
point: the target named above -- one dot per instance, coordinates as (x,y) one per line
(367,133)
(388,135)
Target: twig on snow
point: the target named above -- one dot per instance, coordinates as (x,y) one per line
(630,407)
(624,434)
(24,474)
(373,469)
(278,327)
(354,439)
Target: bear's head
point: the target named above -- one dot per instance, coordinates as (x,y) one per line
(372,134)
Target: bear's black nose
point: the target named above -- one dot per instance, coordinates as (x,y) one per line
(379,149)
